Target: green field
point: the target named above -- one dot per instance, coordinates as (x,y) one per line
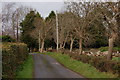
(102,49)
(84,69)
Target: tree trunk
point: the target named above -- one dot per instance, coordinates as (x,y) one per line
(109,56)
(60,45)
(80,46)
(39,40)
(63,45)
(13,31)
(13,26)
(118,19)
(64,42)
(17,30)
(71,44)
(42,46)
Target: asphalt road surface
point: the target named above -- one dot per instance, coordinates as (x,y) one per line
(47,67)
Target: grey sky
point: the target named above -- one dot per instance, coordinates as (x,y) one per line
(44,8)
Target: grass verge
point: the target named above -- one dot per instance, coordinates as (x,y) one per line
(82,68)
(27,69)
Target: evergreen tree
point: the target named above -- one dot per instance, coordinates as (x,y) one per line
(51,15)
(38,15)
(27,25)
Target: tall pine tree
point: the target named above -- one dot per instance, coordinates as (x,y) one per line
(27,26)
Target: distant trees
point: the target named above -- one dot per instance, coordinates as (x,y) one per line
(51,29)
(12,15)
(35,30)
(98,35)
(27,26)
(110,12)
(105,16)
(38,31)
(51,22)
(41,30)
(84,17)
(91,24)
(7,11)
(66,29)
(63,30)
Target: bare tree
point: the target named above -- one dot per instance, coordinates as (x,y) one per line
(66,29)
(110,14)
(84,12)
(63,32)
(18,16)
(41,31)
(7,11)
(11,16)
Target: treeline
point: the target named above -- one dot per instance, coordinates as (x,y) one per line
(83,24)
(100,63)
(12,15)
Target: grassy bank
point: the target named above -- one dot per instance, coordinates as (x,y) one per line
(27,70)
(84,69)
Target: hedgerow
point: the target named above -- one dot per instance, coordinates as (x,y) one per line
(100,63)
(13,55)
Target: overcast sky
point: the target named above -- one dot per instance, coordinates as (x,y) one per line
(44,8)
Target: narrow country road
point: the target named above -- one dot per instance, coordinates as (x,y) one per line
(47,67)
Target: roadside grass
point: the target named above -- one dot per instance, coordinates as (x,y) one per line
(27,69)
(84,69)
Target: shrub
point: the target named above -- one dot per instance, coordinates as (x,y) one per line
(7,38)
(13,55)
(100,63)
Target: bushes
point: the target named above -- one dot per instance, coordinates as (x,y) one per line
(7,38)
(100,63)
(13,55)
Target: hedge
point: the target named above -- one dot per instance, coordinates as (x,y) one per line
(13,55)
(6,38)
(100,63)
